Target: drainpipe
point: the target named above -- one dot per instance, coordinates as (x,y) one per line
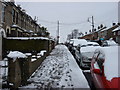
(0,42)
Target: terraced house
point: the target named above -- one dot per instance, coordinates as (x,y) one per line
(16,22)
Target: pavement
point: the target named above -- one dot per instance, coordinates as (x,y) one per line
(59,70)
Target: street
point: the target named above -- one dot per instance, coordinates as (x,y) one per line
(59,70)
(59,45)
(89,79)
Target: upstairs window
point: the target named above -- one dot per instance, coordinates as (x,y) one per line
(3,14)
(13,15)
(16,17)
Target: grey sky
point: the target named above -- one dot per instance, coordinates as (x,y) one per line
(72,15)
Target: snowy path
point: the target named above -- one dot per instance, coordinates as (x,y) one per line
(59,70)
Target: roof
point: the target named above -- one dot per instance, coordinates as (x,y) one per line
(109,28)
(117,29)
(104,29)
(28,38)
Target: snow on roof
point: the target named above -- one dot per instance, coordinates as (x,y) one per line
(111,68)
(27,38)
(16,54)
(104,29)
(116,29)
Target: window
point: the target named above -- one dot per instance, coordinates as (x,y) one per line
(100,60)
(3,13)
(13,15)
(118,32)
(96,54)
(16,17)
(114,33)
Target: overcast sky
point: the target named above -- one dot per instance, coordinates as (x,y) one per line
(71,15)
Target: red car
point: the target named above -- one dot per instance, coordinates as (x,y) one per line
(104,68)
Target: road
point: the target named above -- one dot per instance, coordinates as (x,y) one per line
(88,76)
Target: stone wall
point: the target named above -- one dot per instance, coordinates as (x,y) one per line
(21,69)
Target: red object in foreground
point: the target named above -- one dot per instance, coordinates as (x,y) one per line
(98,73)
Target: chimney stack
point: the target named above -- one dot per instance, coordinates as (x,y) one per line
(114,24)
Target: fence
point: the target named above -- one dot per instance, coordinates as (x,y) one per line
(21,69)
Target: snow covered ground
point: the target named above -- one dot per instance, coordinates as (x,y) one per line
(59,70)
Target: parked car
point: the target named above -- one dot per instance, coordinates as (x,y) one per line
(104,68)
(109,43)
(77,42)
(70,44)
(84,54)
(87,54)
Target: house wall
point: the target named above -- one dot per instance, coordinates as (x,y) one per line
(8,19)
(21,19)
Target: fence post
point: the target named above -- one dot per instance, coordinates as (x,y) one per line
(14,72)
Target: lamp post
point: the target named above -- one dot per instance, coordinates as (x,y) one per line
(58,32)
(92,24)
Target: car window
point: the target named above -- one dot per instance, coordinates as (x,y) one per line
(105,43)
(100,60)
(89,44)
(96,65)
(95,45)
(83,46)
(95,54)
